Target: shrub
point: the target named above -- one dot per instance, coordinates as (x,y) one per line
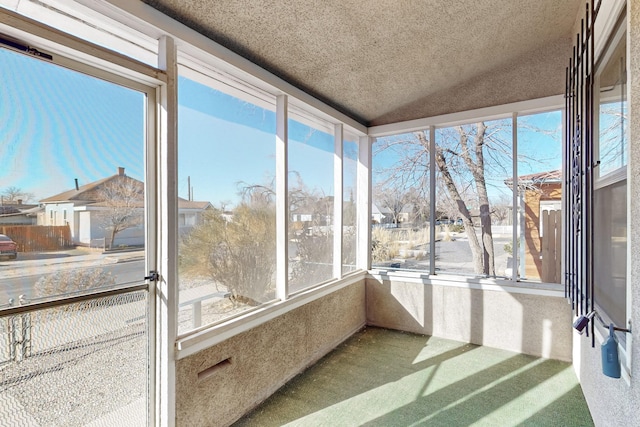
(387,244)
(68,281)
(508,247)
(238,253)
(456,228)
(383,246)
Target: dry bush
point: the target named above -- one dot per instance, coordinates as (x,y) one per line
(238,253)
(388,244)
(69,281)
(384,246)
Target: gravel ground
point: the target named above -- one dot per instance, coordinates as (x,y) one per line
(73,383)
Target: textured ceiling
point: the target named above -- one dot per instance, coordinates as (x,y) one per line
(383,61)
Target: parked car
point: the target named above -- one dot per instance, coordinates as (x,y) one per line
(8,248)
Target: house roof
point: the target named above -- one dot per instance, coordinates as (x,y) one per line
(192,204)
(84,193)
(537,179)
(27,210)
(89,194)
(386,61)
(6,210)
(542,177)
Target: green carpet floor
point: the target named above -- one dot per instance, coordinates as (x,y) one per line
(387,378)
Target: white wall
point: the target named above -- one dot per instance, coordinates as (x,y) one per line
(58,211)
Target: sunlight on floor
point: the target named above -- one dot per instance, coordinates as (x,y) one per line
(388,378)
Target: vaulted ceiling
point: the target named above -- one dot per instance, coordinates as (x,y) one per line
(384,61)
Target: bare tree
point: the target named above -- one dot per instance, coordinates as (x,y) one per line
(390,195)
(407,181)
(464,157)
(502,208)
(467,158)
(123,200)
(13,194)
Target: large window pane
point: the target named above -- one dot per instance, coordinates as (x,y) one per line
(311,165)
(72,198)
(610,249)
(71,181)
(400,202)
(473,162)
(349,207)
(226,209)
(612,117)
(539,197)
(610,222)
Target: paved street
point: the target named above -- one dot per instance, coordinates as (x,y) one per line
(18,277)
(453,255)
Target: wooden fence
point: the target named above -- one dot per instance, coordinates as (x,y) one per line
(551,246)
(37,238)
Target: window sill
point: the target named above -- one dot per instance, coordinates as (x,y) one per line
(206,337)
(486,284)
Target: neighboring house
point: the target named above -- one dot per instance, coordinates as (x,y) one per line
(381,214)
(84,209)
(542,192)
(407,213)
(387,214)
(18,213)
(377,217)
(190,214)
(316,213)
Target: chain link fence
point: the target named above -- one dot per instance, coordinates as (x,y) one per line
(77,364)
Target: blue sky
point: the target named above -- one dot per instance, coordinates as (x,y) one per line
(226,143)
(58,125)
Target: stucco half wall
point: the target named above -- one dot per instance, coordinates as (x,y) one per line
(218,385)
(536,322)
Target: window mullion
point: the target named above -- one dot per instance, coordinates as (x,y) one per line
(338,197)
(166,300)
(515,193)
(432,200)
(282,198)
(363,260)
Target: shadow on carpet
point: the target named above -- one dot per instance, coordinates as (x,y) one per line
(381,377)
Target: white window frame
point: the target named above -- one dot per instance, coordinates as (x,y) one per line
(506,111)
(606,23)
(71,52)
(196,67)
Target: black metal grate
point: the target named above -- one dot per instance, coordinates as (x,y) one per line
(579,161)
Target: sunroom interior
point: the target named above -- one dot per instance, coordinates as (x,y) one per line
(306,174)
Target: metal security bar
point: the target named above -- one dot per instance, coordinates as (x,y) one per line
(579,104)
